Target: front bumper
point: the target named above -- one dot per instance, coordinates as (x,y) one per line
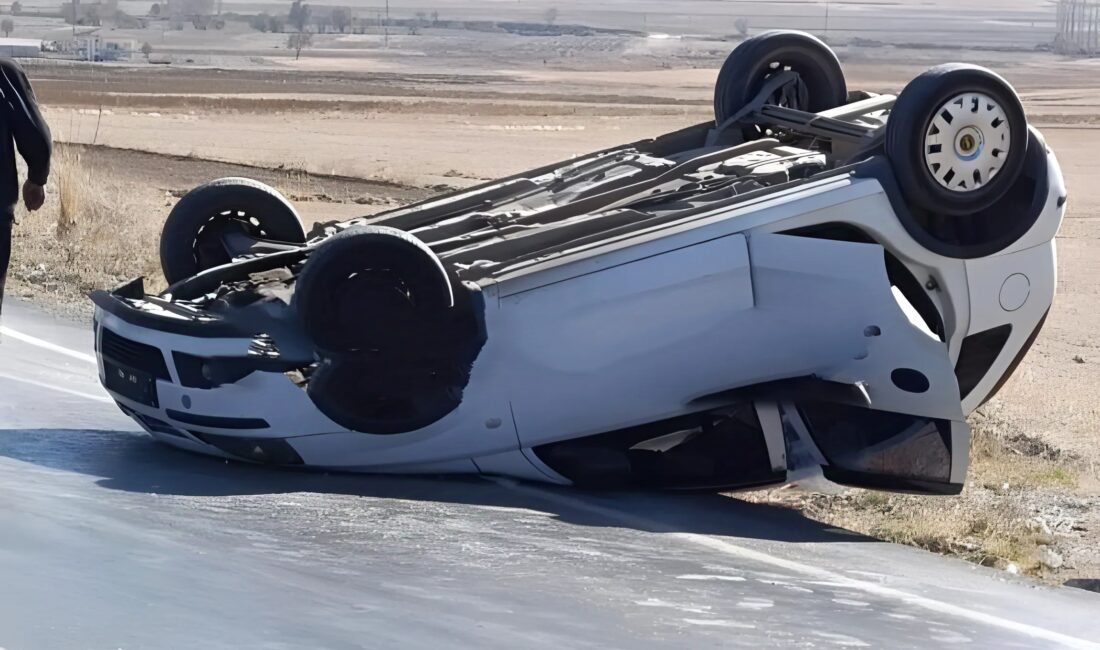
(129,303)
(140,348)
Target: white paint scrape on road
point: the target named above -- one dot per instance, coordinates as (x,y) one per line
(108,540)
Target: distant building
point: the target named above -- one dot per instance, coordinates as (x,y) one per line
(20,47)
(97,48)
(118,49)
(188,8)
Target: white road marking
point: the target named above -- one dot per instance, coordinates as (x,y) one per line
(46,345)
(728,548)
(694,576)
(53,347)
(42,384)
(719,623)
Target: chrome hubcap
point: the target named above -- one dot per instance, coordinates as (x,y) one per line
(967,142)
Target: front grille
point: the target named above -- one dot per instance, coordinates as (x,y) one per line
(268,451)
(152,424)
(158,426)
(217,421)
(132,354)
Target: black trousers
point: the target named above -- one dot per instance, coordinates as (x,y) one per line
(6,221)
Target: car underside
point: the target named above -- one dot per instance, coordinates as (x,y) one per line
(817,278)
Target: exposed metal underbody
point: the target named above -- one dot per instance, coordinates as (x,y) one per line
(506,225)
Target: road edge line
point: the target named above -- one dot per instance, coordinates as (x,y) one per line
(729,548)
(46,345)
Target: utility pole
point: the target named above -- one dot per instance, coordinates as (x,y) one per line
(826,20)
(386,29)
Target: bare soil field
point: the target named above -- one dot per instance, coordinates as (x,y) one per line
(481,124)
(353,129)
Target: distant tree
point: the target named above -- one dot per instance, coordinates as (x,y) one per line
(323,22)
(261,22)
(742,26)
(154,10)
(341,18)
(146,49)
(193,7)
(551,15)
(299,15)
(6,26)
(297,41)
(16,8)
(435,17)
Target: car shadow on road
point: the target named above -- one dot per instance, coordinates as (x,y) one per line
(132,462)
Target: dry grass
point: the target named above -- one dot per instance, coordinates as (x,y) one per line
(90,234)
(101,224)
(995,533)
(995,522)
(72,181)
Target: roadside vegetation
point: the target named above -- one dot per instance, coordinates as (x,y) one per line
(101,222)
(1024,505)
(90,234)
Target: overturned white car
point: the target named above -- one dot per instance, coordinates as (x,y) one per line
(849,272)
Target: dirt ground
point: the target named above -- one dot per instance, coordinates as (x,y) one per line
(353,129)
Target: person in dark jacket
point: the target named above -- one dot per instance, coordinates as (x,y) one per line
(22,126)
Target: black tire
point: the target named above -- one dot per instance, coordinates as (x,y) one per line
(370,287)
(912,121)
(187,246)
(754,60)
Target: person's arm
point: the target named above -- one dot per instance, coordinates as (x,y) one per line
(30,131)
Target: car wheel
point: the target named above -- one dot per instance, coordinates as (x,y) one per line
(381,395)
(957,139)
(369,288)
(820,81)
(209,222)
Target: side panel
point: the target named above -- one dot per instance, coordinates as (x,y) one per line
(642,341)
(519,463)
(831,301)
(1046,226)
(608,349)
(1014,289)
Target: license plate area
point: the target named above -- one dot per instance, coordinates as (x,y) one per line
(130,383)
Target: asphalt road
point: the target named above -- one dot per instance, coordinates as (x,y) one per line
(108,540)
